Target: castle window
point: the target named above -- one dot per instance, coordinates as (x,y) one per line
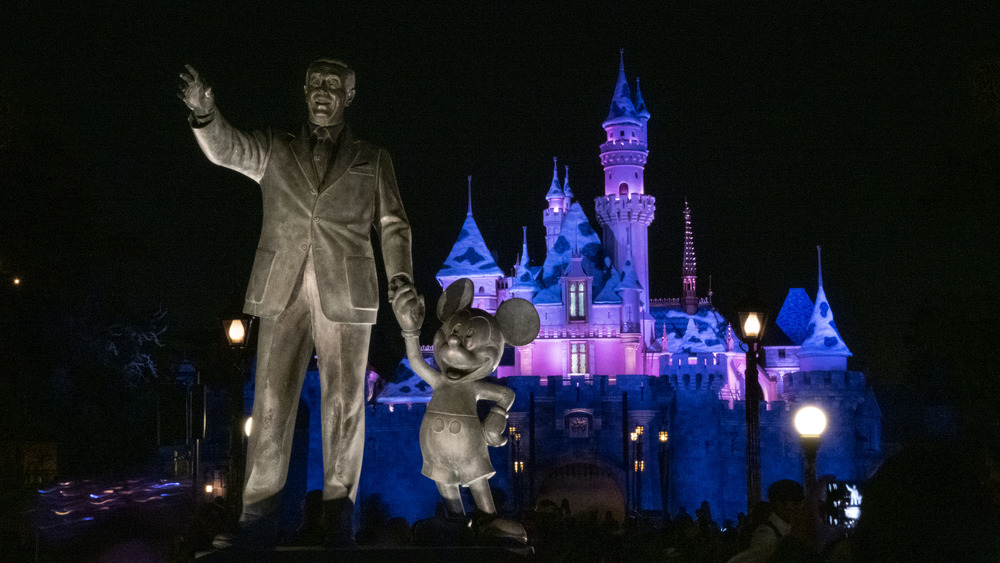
(577,301)
(622,134)
(623,189)
(781,354)
(578,358)
(636,174)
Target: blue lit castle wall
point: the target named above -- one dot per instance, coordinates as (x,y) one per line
(609,358)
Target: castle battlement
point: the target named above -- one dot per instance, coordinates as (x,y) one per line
(632,207)
(690,380)
(811,382)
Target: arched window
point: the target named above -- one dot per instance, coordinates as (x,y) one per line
(623,189)
(578,358)
(577,301)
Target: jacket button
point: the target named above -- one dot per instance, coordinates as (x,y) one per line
(304,246)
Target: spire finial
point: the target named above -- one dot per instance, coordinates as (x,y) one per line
(524,235)
(819,257)
(469,212)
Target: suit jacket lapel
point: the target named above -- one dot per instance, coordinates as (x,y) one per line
(303,155)
(347,151)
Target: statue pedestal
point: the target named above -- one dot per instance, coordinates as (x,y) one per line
(372,554)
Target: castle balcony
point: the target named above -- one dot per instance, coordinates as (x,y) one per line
(675,301)
(623,144)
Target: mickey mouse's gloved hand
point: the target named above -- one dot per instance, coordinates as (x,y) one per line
(494,427)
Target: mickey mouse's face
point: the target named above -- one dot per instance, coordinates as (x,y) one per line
(468,345)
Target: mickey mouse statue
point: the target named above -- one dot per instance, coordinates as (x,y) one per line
(467,348)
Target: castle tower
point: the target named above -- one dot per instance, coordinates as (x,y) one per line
(689,299)
(823,348)
(625,206)
(556,211)
(471,258)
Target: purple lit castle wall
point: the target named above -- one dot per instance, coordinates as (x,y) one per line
(609,357)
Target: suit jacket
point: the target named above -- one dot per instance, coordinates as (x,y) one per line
(335,215)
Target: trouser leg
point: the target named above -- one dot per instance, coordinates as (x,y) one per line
(284,348)
(342,356)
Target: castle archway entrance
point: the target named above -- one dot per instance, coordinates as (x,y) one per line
(587,488)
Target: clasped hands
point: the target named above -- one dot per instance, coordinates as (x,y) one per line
(407,305)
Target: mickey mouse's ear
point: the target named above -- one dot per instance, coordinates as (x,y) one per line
(458,296)
(518,321)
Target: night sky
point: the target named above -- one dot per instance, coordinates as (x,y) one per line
(869,129)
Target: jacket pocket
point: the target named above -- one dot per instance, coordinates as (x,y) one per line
(262,263)
(362,283)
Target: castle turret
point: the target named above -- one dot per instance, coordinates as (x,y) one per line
(555,213)
(689,299)
(823,348)
(625,206)
(470,258)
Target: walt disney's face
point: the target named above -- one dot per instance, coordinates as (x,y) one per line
(468,345)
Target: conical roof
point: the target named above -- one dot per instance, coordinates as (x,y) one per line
(640,106)
(567,191)
(630,278)
(524,281)
(622,109)
(555,191)
(470,255)
(822,336)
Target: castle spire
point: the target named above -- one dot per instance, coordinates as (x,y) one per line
(823,348)
(567,191)
(524,285)
(622,108)
(555,190)
(690,295)
(640,106)
(469,212)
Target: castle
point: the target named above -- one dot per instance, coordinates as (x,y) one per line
(624,401)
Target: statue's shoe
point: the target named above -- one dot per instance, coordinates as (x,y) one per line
(500,528)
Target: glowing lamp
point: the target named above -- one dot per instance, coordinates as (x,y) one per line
(810,422)
(751,326)
(209,489)
(633,436)
(753,320)
(248,426)
(663,436)
(236,332)
(16,281)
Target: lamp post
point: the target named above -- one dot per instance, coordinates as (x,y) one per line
(516,464)
(664,472)
(810,422)
(237,333)
(753,319)
(638,466)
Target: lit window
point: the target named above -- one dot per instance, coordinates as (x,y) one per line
(577,358)
(577,301)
